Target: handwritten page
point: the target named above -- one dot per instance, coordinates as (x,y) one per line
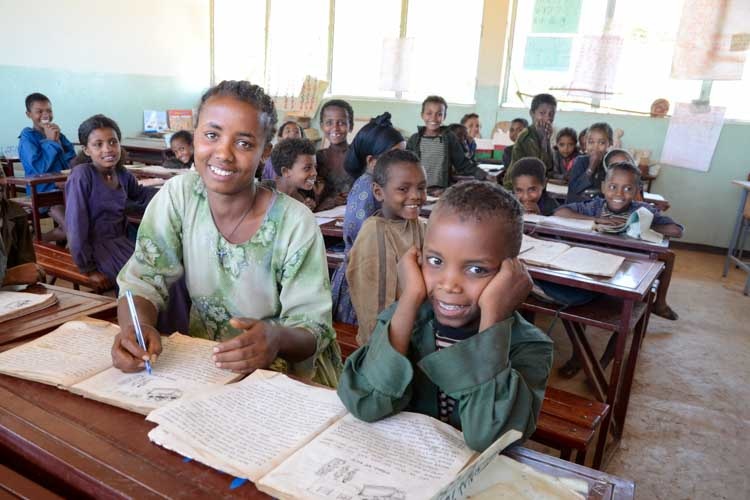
(556,16)
(247,427)
(184,366)
(587,261)
(73,352)
(692,136)
(542,252)
(709,43)
(16,304)
(404,456)
(596,66)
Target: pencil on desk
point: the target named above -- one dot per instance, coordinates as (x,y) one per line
(137,326)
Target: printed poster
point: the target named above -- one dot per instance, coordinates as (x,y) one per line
(556,16)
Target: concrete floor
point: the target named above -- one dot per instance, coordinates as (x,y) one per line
(687,433)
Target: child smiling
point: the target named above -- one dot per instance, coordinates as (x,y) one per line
(399,184)
(453,347)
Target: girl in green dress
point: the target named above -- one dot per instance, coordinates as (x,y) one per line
(253,258)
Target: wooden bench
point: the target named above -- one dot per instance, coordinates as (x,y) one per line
(58,263)
(567,422)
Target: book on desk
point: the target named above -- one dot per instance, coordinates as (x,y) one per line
(292,439)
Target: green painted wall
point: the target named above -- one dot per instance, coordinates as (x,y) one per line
(704,202)
(76,96)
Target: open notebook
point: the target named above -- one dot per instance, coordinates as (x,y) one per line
(17,304)
(552,220)
(77,357)
(561,256)
(294,440)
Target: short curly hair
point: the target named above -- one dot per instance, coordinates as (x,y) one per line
(532,167)
(250,93)
(435,99)
(485,203)
(339,103)
(184,135)
(387,160)
(287,150)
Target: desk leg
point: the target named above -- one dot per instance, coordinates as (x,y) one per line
(614,381)
(735,232)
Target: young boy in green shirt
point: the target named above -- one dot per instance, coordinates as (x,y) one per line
(453,346)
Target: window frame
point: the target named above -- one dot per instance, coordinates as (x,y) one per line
(703,99)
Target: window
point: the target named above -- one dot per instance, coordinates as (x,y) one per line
(648,30)
(297,44)
(239,40)
(733,95)
(359,31)
(446,37)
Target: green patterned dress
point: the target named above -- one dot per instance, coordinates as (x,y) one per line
(279,275)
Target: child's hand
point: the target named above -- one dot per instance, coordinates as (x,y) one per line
(410,278)
(504,293)
(609,221)
(25,274)
(128,356)
(51,132)
(531,208)
(256,347)
(310,203)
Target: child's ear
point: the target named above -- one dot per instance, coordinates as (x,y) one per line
(370,160)
(377,191)
(28,115)
(85,151)
(285,171)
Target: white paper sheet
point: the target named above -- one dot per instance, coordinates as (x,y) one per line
(692,136)
(596,68)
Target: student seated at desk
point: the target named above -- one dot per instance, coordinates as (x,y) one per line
(588,171)
(96,197)
(620,187)
(44,149)
(181,146)
(453,347)
(516,127)
(399,184)
(294,163)
(566,152)
(467,143)
(535,141)
(17,259)
(529,186)
(253,258)
(288,130)
(336,121)
(372,140)
(438,149)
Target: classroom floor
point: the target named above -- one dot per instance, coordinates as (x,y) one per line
(687,433)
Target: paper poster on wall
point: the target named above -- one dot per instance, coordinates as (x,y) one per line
(712,40)
(556,16)
(396,64)
(547,53)
(692,136)
(596,66)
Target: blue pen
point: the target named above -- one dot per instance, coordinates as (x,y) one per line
(137,326)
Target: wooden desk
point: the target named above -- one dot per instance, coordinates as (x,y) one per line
(738,239)
(145,149)
(70,305)
(605,240)
(75,446)
(624,307)
(332,230)
(39,200)
(14,485)
(154,172)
